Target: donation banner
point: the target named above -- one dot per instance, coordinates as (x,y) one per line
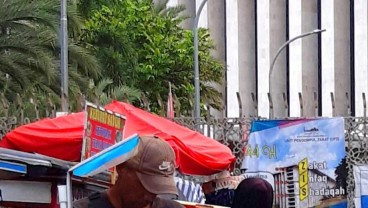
(103,129)
(303,160)
(361,186)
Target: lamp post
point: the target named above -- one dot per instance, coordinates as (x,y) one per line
(280,50)
(64,56)
(197,106)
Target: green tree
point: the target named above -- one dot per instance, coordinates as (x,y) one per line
(29,52)
(101,94)
(141,45)
(341,174)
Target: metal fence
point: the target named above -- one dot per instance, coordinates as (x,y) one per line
(233,132)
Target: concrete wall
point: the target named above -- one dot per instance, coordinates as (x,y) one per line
(252,31)
(189,13)
(342,55)
(217,28)
(309,59)
(277,33)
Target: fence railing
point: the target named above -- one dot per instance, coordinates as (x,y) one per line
(234,132)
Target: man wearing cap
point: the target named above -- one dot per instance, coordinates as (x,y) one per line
(141,180)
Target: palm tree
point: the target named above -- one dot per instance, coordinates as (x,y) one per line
(104,92)
(29,50)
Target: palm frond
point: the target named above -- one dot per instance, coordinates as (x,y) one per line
(103,84)
(16,73)
(87,63)
(212,96)
(125,93)
(35,12)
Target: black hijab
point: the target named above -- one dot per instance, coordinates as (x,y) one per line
(253,193)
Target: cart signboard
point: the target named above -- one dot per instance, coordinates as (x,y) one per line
(103,128)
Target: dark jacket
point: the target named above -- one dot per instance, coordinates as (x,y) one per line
(100,200)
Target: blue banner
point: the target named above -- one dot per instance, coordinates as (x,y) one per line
(108,158)
(13,167)
(361,186)
(304,160)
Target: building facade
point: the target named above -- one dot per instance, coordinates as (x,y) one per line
(324,74)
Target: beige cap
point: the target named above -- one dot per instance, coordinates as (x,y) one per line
(155,165)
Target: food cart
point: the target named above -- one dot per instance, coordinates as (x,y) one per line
(32,180)
(62,138)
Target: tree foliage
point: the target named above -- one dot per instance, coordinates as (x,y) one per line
(341,174)
(30,52)
(139,48)
(140,45)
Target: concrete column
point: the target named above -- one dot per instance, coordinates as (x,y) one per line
(303,57)
(161,1)
(232,81)
(360,54)
(217,28)
(335,55)
(309,57)
(277,33)
(342,55)
(247,54)
(263,55)
(189,13)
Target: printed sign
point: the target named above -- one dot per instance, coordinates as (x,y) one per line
(305,157)
(361,186)
(103,129)
(303,179)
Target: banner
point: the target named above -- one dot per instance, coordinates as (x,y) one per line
(304,161)
(108,158)
(361,186)
(103,129)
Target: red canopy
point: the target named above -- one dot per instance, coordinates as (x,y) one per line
(61,138)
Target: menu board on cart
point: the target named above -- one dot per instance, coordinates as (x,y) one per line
(304,160)
(103,128)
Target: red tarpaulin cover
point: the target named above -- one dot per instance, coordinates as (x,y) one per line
(61,138)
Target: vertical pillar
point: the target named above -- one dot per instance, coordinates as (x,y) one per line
(303,58)
(160,1)
(335,55)
(247,54)
(342,55)
(361,54)
(217,27)
(189,13)
(309,56)
(277,37)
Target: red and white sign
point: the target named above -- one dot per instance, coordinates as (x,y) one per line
(103,129)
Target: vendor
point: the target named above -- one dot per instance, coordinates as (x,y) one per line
(141,180)
(221,190)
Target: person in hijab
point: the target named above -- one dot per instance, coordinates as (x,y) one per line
(253,193)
